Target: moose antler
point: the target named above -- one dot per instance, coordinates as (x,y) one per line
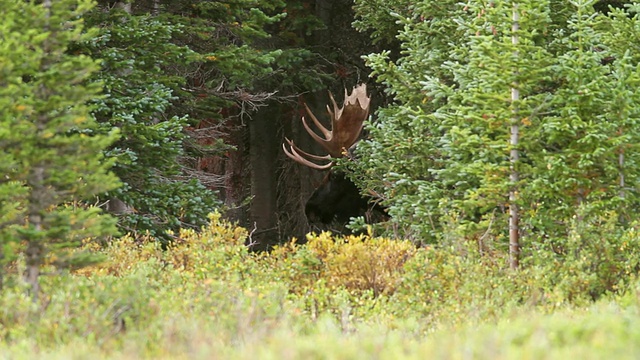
(346,124)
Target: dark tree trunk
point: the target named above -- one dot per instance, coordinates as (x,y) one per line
(264,144)
(229,172)
(236,187)
(296,183)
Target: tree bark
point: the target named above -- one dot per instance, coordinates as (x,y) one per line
(236,186)
(264,145)
(35,251)
(39,195)
(514,216)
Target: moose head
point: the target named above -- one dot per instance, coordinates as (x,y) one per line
(337,198)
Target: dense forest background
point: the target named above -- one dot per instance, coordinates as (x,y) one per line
(228,79)
(511,125)
(142,178)
(204,94)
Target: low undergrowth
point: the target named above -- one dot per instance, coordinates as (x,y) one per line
(207,296)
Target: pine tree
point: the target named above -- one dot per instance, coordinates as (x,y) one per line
(402,156)
(177,81)
(500,72)
(53,155)
(588,138)
(141,85)
(446,155)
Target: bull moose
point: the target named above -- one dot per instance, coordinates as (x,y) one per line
(337,198)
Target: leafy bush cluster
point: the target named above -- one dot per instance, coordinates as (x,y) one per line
(207,291)
(356,263)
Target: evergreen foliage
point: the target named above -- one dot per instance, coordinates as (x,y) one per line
(173,79)
(52,149)
(141,85)
(448,135)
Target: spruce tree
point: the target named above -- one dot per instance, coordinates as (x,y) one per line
(444,156)
(500,71)
(52,155)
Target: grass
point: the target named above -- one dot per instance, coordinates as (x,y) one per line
(604,331)
(208,298)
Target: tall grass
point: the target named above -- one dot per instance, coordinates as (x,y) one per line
(207,297)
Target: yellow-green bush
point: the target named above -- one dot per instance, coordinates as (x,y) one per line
(207,293)
(214,247)
(356,263)
(206,276)
(441,284)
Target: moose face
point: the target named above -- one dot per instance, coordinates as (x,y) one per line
(338,198)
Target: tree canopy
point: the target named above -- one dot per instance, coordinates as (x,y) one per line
(52,160)
(484,112)
(439,156)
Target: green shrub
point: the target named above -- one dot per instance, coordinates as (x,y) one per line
(191,252)
(441,284)
(357,263)
(597,258)
(207,296)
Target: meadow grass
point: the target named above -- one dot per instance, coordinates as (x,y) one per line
(207,297)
